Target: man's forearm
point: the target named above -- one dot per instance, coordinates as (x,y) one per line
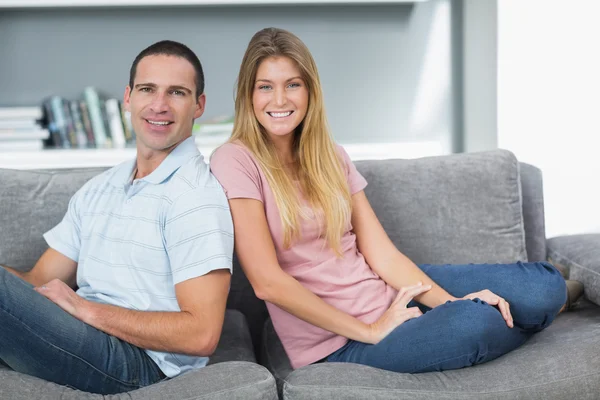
(176,332)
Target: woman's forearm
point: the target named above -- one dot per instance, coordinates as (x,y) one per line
(399,271)
(288,294)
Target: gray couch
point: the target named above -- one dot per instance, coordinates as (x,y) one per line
(481,207)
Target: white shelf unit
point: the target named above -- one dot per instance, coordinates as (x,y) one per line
(80,158)
(146,3)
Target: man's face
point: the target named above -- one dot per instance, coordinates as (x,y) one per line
(162,103)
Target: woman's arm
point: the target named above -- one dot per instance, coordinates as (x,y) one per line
(256,252)
(385,259)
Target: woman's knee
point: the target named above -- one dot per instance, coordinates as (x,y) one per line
(550,291)
(475,322)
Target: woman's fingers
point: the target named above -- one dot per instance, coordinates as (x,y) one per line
(406,294)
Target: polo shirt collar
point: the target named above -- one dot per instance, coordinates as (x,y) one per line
(175,159)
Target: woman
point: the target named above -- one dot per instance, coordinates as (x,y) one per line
(336,287)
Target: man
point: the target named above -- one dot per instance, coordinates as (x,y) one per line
(149,245)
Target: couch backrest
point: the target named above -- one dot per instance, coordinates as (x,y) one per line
(533,212)
(455,209)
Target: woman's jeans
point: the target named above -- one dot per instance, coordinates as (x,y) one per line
(467,332)
(38,338)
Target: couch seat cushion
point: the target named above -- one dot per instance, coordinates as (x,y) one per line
(560,362)
(456,209)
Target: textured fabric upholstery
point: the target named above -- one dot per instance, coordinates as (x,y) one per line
(453,209)
(579,257)
(235,380)
(533,212)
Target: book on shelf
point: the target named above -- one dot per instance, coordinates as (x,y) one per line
(93,121)
(21,145)
(22,113)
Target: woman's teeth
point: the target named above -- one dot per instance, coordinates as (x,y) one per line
(279,114)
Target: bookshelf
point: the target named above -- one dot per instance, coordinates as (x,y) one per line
(146,3)
(79,158)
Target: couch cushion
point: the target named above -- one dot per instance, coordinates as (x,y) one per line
(460,208)
(578,256)
(235,343)
(236,380)
(33,202)
(560,362)
(533,211)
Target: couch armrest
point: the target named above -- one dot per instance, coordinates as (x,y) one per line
(578,257)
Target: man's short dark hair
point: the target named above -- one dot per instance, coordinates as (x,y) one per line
(171,48)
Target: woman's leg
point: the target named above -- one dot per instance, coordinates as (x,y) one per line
(467,332)
(536,291)
(453,335)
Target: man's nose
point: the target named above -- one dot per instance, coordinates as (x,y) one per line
(159,103)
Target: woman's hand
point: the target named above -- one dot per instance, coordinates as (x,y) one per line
(397,313)
(495,300)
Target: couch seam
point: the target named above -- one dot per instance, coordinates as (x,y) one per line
(440,392)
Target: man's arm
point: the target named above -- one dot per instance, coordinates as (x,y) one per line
(195,330)
(51,265)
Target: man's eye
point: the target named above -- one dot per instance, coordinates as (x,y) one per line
(178,92)
(145,89)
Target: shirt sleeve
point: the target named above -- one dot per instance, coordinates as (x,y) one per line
(237,172)
(66,236)
(356,181)
(199,233)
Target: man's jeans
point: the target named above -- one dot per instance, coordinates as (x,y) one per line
(38,338)
(467,332)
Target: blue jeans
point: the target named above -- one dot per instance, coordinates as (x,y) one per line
(38,338)
(467,332)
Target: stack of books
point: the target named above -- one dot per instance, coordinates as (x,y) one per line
(21,129)
(94,121)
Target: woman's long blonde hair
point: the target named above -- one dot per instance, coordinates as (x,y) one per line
(319,166)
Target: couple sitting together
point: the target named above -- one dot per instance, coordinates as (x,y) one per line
(133,287)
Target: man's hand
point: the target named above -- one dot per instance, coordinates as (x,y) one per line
(61,294)
(495,300)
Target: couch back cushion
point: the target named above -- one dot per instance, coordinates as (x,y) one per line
(455,209)
(533,211)
(32,202)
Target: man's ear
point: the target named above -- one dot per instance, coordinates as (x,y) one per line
(127,98)
(200,104)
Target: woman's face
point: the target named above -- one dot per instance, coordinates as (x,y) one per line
(280,96)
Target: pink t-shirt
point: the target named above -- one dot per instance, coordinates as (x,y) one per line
(346,283)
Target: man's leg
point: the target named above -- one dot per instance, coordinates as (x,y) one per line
(38,338)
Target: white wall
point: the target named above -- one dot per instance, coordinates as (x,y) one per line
(549,103)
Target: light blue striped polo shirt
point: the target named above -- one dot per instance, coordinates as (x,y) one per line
(134,241)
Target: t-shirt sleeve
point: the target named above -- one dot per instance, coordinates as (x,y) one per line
(66,236)
(199,233)
(236,172)
(356,181)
